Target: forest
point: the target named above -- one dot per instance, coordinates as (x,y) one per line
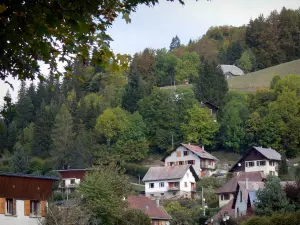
(100,114)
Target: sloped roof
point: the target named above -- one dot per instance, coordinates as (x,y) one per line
(199,151)
(148,206)
(225,209)
(9,174)
(230,185)
(252,186)
(252,197)
(167,172)
(269,153)
(234,70)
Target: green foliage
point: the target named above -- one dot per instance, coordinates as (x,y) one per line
(272,198)
(36,165)
(211,85)
(199,126)
(175,43)
(283,167)
(103,191)
(133,216)
(62,137)
(179,214)
(19,161)
(247,61)
(275,219)
(209,185)
(187,68)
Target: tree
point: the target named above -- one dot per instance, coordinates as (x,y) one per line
(20,161)
(187,68)
(283,168)
(134,91)
(111,123)
(134,216)
(272,198)
(132,143)
(175,43)
(84,29)
(211,85)
(11,136)
(246,61)
(179,214)
(62,137)
(199,126)
(103,191)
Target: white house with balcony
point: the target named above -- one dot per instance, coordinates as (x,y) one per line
(171,182)
(70,179)
(259,159)
(203,162)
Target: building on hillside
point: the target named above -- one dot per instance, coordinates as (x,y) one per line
(230,71)
(170,182)
(156,212)
(23,198)
(245,197)
(213,109)
(227,191)
(70,179)
(261,159)
(203,162)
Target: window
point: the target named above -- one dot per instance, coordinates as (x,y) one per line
(226,197)
(272,163)
(34,208)
(185,184)
(185,153)
(272,173)
(63,183)
(180,162)
(151,185)
(162,194)
(178,154)
(10,206)
(241,196)
(152,195)
(249,164)
(72,181)
(191,162)
(171,163)
(161,184)
(260,163)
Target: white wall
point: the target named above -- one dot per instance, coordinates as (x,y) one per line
(19,219)
(157,190)
(68,181)
(241,205)
(191,156)
(224,202)
(265,169)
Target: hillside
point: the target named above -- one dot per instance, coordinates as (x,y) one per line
(262,78)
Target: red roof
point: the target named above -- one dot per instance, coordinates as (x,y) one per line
(78,174)
(148,206)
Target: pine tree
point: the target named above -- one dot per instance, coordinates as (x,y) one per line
(24,107)
(11,136)
(20,161)
(62,137)
(283,168)
(175,43)
(211,86)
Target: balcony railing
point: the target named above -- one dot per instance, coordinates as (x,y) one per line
(174,188)
(207,166)
(193,189)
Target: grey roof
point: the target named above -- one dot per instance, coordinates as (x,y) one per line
(166,173)
(234,70)
(269,153)
(199,151)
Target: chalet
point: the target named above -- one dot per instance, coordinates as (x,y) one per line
(230,71)
(70,179)
(227,191)
(203,162)
(170,182)
(156,213)
(261,159)
(23,198)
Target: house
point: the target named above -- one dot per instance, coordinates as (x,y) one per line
(227,191)
(23,198)
(156,213)
(213,109)
(230,71)
(170,182)
(261,159)
(203,162)
(70,179)
(245,197)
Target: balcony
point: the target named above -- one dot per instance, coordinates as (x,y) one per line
(207,166)
(174,188)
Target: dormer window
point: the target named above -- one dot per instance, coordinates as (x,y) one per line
(185,153)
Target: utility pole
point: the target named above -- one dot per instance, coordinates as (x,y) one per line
(172,142)
(203,201)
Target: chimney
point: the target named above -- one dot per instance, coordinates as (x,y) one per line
(157,202)
(247,183)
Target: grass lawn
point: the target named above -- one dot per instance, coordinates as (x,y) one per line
(262,78)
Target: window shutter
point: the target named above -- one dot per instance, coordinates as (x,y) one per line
(178,154)
(14,207)
(27,208)
(43,208)
(2,205)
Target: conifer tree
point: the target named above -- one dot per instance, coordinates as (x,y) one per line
(175,43)
(20,161)
(211,85)
(62,137)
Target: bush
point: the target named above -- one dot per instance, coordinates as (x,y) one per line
(135,170)
(275,219)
